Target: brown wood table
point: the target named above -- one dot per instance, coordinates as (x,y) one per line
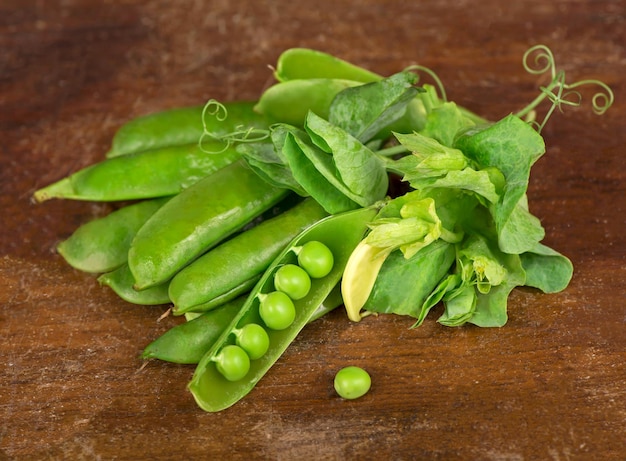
(550,385)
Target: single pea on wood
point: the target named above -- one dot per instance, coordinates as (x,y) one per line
(352,382)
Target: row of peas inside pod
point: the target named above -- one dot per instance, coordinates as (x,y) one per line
(292,282)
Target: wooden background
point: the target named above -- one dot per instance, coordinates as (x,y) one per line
(550,385)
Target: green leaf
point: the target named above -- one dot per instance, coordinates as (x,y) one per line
(403,285)
(387,102)
(416,226)
(311,180)
(491,308)
(351,167)
(459,309)
(265,162)
(482,264)
(467,179)
(447,284)
(512,146)
(444,122)
(429,157)
(546,269)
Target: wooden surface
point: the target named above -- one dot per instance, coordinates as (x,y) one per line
(550,385)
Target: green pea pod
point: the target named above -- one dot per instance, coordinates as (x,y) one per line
(289,102)
(227,296)
(242,258)
(305,63)
(102,245)
(197,219)
(187,342)
(121,281)
(155,173)
(176,127)
(340,233)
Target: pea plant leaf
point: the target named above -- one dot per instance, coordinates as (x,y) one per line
(512,146)
(428,157)
(416,226)
(346,162)
(387,102)
(296,149)
(262,157)
(459,308)
(466,179)
(491,306)
(546,269)
(415,277)
(444,122)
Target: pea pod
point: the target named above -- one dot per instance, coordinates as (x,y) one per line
(181,126)
(340,233)
(197,219)
(155,173)
(305,63)
(102,245)
(290,101)
(121,281)
(187,342)
(242,258)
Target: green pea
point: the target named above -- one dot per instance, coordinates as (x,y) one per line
(315,258)
(232,362)
(352,382)
(277,310)
(340,233)
(239,259)
(292,280)
(253,339)
(196,220)
(180,126)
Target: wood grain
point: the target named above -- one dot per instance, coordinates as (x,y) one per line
(550,385)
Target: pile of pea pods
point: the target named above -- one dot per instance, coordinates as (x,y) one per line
(251,219)
(247,264)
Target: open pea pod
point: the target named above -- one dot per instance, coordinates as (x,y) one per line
(187,342)
(340,233)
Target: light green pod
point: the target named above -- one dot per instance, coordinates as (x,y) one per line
(121,281)
(197,219)
(154,173)
(102,245)
(182,126)
(290,101)
(242,258)
(305,63)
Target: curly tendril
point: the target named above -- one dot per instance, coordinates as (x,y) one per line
(432,75)
(539,60)
(240,135)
